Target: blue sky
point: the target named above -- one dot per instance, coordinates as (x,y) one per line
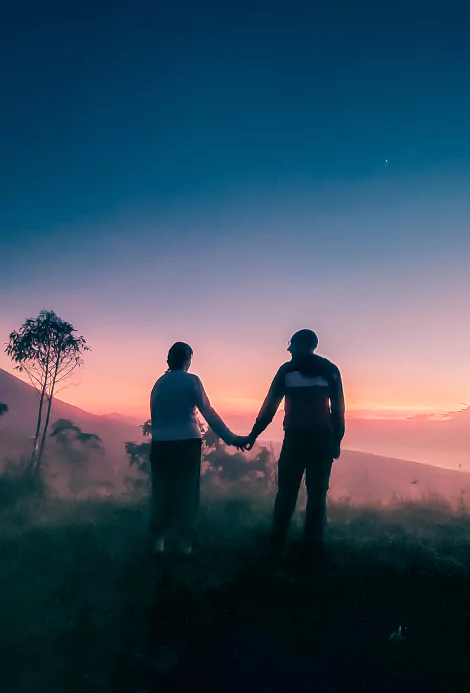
(217,171)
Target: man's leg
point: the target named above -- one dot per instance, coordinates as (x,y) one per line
(290,473)
(317,481)
(160,512)
(186,490)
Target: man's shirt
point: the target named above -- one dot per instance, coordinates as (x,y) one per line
(313,394)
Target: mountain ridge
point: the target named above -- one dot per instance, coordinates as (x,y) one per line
(18,425)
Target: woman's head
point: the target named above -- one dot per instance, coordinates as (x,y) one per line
(179,357)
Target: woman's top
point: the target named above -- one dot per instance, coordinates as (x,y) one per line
(173,403)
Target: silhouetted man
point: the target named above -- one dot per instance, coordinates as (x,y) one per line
(314,428)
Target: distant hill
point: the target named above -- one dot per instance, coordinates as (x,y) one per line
(121,418)
(442,440)
(364,478)
(18,425)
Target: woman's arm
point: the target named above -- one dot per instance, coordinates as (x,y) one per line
(211,416)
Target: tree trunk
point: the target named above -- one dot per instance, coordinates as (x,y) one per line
(43,437)
(48,416)
(41,403)
(38,426)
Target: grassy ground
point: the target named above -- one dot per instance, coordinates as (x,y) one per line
(85,608)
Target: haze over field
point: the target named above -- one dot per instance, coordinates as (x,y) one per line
(359,476)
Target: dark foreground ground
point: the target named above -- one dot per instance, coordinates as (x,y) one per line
(85,608)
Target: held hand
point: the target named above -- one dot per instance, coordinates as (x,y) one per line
(336,450)
(251,442)
(243,443)
(240,442)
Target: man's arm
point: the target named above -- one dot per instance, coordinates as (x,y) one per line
(211,416)
(271,404)
(337,407)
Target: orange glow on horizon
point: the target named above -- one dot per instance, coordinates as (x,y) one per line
(108,401)
(237,382)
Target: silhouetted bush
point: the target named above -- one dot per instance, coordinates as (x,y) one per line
(221,465)
(20,482)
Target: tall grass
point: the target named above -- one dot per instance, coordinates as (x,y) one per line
(84,607)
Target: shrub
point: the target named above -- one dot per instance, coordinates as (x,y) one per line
(20,482)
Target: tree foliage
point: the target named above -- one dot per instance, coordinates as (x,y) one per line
(139,457)
(70,436)
(47,349)
(75,447)
(233,466)
(218,461)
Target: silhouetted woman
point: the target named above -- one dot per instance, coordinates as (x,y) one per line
(176,448)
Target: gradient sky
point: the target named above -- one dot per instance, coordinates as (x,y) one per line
(216,172)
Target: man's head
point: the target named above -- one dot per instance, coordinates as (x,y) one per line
(303,342)
(179,357)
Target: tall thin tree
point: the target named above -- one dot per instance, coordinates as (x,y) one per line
(48,351)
